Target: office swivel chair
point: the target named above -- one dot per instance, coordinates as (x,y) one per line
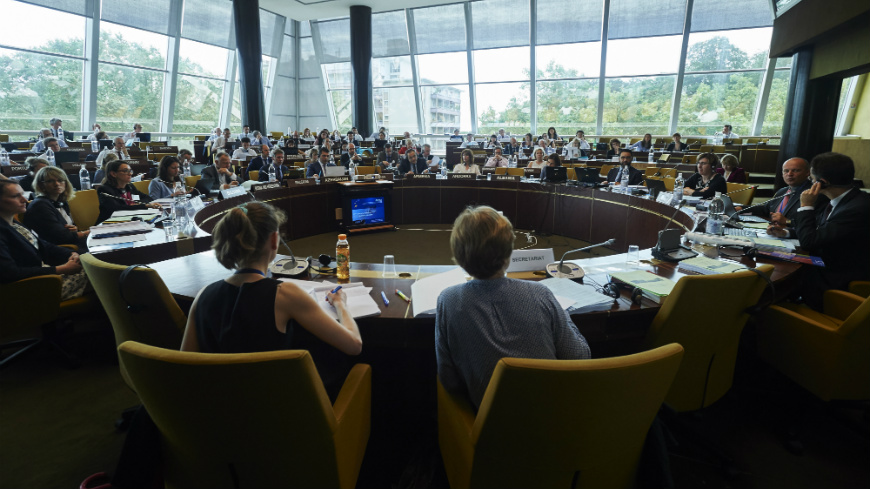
(251,419)
(556,423)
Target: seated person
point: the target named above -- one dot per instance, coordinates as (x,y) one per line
(306,135)
(727,133)
(412,164)
(730,170)
(546,145)
(34,164)
(219,176)
(247,312)
(456,136)
(706,182)
(551,135)
(95,136)
(537,160)
(493,142)
(315,169)
(260,140)
(381,141)
(103,159)
(246,132)
(615,148)
(277,162)
(290,146)
(832,223)
(48,142)
(185,155)
(351,155)
(635,176)
(119,149)
(387,159)
(497,159)
(479,322)
(262,160)
(584,144)
(553,161)
(214,134)
(245,150)
(466,163)
(137,128)
(407,143)
(221,142)
(469,142)
(23,254)
(677,145)
(49,215)
(512,146)
(528,141)
(503,137)
(118,194)
(322,137)
(644,144)
(783,208)
(573,151)
(169,182)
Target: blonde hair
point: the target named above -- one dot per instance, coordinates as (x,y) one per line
(69,192)
(482,241)
(729,160)
(240,235)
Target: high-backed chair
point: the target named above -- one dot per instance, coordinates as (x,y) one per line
(709,337)
(254,175)
(689,159)
(28,311)
(139,307)
(828,352)
(860,287)
(556,423)
(742,194)
(85,208)
(190,181)
(571,174)
(142,186)
(501,170)
(517,172)
(365,170)
(251,419)
(605,169)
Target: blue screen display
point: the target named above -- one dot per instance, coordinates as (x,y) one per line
(369,210)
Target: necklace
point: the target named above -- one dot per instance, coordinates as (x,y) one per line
(248,270)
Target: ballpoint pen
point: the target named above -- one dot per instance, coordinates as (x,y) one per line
(334,291)
(384,297)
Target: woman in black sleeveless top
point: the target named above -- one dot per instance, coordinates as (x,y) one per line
(248,312)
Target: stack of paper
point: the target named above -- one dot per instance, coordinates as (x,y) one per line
(142,214)
(654,288)
(123,232)
(578,299)
(425,292)
(358,299)
(772,244)
(708,266)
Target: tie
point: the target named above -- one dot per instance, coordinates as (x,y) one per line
(825,214)
(784,203)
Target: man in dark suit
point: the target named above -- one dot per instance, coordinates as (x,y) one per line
(317,167)
(259,163)
(350,155)
(387,158)
(280,169)
(635,176)
(782,211)
(412,164)
(218,176)
(832,223)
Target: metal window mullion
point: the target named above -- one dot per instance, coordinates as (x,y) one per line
(605,20)
(853,96)
(469,44)
(412,45)
(763,96)
(318,56)
(274,70)
(91,66)
(229,87)
(170,78)
(678,86)
(297,50)
(533,72)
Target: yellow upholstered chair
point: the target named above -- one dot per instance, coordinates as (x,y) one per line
(276,134)
(365,170)
(860,288)
(254,175)
(828,352)
(28,313)
(146,312)
(4,138)
(142,186)
(689,159)
(605,169)
(742,194)
(669,183)
(85,208)
(517,172)
(501,170)
(571,173)
(733,141)
(251,419)
(190,181)
(556,423)
(710,339)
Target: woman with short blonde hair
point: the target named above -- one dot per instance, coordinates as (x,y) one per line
(49,214)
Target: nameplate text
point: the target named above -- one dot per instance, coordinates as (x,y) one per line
(530,260)
(426,176)
(304,181)
(508,178)
(335,179)
(265,186)
(461,176)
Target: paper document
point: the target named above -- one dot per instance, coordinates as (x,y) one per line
(708,266)
(649,283)
(771,244)
(583,298)
(124,227)
(358,297)
(425,292)
(136,213)
(165,202)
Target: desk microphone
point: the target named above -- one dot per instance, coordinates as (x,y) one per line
(571,270)
(285,266)
(790,192)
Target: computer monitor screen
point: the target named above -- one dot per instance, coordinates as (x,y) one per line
(367,210)
(144,137)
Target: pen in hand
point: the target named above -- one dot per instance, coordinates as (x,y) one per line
(334,291)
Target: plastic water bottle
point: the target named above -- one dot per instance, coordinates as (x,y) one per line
(49,155)
(4,158)
(60,134)
(178,187)
(186,168)
(272,177)
(342,256)
(623,184)
(351,170)
(443,171)
(715,215)
(679,183)
(652,155)
(84,178)
(95,146)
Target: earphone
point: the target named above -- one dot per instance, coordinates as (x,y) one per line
(132,308)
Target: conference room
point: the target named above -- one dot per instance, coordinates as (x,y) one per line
(657,174)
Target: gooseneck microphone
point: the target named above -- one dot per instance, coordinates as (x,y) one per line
(285,266)
(571,270)
(790,192)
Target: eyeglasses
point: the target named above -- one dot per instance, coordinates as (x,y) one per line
(52,181)
(124,171)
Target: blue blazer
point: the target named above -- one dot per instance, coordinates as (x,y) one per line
(19,259)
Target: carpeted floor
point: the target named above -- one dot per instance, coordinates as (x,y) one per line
(57,424)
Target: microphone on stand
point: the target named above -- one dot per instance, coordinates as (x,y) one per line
(571,270)
(285,266)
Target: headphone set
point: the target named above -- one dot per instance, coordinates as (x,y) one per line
(324,267)
(131,308)
(611,289)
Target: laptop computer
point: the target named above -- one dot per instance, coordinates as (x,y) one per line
(589,175)
(106,144)
(655,186)
(555,174)
(334,171)
(66,157)
(144,137)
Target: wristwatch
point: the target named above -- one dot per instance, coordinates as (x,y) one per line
(788,223)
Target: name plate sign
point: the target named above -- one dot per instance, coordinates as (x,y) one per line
(78,166)
(197,203)
(530,260)
(461,176)
(76,149)
(232,192)
(335,179)
(665,197)
(265,186)
(427,176)
(163,149)
(509,178)
(302,181)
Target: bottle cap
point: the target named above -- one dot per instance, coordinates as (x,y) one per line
(342,236)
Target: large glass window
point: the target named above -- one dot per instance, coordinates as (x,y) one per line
(637,105)
(395,109)
(197,104)
(509,64)
(567,105)
(196,58)
(338,75)
(449,35)
(564,21)
(710,101)
(556,61)
(728,50)
(389,34)
(42,29)
(126,96)
(390,72)
(443,68)
(646,18)
(445,108)
(132,47)
(643,56)
(503,106)
(500,23)
(308,64)
(34,88)
(774,116)
(334,40)
(341,104)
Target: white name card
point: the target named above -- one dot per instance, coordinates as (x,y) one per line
(665,197)
(530,260)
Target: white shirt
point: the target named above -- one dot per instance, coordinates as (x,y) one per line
(535,164)
(241,153)
(472,168)
(834,203)
(130,135)
(571,152)
(497,161)
(225,179)
(584,144)
(220,142)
